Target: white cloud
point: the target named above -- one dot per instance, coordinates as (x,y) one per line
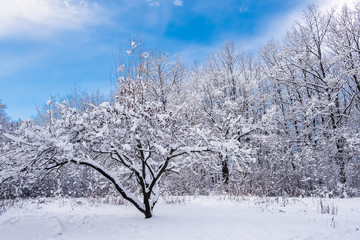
(277,27)
(274,29)
(39,18)
(178,3)
(243,9)
(152,3)
(327,4)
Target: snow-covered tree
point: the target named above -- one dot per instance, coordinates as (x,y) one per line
(78,99)
(223,92)
(4,119)
(312,89)
(128,142)
(131,142)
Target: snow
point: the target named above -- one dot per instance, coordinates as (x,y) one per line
(162,150)
(146,55)
(186,218)
(16,139)
(126,147)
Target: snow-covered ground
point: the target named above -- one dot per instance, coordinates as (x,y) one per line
(193,218)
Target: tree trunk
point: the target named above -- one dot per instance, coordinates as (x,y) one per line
(340,159)
(225,170)
(148,210)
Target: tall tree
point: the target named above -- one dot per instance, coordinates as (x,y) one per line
(137,138)
(225,90)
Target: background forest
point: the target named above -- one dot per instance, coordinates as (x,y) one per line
(282,122)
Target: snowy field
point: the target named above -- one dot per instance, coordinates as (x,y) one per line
(188,218)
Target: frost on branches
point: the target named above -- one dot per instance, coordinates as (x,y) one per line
(124,141)
(131,141)
(132,144)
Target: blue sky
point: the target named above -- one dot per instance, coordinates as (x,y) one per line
(49,47)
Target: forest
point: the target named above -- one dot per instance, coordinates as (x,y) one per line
(283,121)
